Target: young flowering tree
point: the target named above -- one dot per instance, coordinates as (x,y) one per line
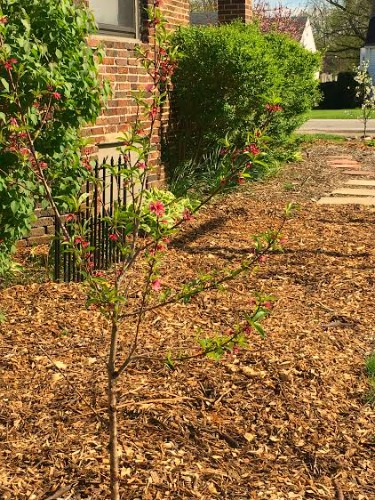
(36,168)
(365,92)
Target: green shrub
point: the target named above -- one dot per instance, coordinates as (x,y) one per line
(225,78)
(49,88)
(340,94)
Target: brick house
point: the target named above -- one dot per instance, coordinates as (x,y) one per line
(121,27)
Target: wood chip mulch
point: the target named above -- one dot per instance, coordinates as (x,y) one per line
(285,419)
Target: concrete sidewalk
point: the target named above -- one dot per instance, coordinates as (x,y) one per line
(350,127)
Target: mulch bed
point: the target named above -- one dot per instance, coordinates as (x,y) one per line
(285,419)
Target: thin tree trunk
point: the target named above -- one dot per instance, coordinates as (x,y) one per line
(112,409)
(113,438)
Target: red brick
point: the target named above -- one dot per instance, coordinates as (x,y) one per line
(39,240)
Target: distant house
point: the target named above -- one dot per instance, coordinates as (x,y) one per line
(368,51)
(299,27)
(304,32)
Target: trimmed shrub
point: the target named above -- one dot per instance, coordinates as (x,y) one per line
(225,78)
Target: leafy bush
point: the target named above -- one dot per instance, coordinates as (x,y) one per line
(44,61)
(230,79)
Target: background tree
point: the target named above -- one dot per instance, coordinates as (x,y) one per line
(340,28)
(203,5)
(270,17)
(276,18)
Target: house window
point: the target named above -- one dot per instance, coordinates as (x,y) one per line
(116,16)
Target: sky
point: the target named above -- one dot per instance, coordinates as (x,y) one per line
(291,4)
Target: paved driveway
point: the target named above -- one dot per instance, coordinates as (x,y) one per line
(350,127)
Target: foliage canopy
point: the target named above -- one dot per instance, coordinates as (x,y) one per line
(49,89)
(228,77)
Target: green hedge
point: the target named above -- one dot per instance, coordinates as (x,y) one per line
(340,94)
(225,77)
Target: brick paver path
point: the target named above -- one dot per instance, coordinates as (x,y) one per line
(363,190)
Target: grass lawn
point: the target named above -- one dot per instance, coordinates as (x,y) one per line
(310,138)
(335,113)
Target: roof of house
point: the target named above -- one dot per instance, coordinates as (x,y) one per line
(299,25)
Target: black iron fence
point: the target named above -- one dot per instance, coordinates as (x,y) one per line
(107,189)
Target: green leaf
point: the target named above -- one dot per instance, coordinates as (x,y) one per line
(5,84)
(14,206)
(259,329)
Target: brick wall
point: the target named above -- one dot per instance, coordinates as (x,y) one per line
(122,69)
(230,10)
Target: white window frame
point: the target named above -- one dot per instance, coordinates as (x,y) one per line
(121,30)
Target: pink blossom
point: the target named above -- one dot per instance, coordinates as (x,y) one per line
(70,217)
(156,285)
(246,329)
(13,122)
(8,65)
(56,95)
(160,247)
(157,207)
(252,148)
(268,305)
(141,165)
(3,19)
(24,151)
(86,164)
(153,113)
(113,237)
(43,165)
(187,215)
(150,87)
(273,108)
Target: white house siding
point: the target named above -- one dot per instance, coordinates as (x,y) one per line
(368,54)
(307,38)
